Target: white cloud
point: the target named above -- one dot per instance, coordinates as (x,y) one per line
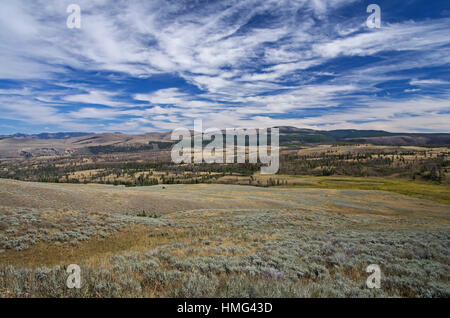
(428,82)
(95,97)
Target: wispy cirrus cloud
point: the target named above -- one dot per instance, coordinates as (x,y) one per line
(146,65)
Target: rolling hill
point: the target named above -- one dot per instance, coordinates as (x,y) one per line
(66,143)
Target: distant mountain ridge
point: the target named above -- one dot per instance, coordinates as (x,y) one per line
(58,135)
(341,133)
(67,143)
(378,137)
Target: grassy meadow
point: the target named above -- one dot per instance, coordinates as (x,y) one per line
(221,241)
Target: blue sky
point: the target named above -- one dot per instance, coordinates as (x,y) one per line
(142,66)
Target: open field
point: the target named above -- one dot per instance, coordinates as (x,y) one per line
(435,192)
(220,240)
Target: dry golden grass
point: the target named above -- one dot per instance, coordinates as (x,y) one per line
(135,238)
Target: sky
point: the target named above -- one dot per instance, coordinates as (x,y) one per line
(140,66)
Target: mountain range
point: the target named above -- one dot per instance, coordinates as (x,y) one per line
(65,143)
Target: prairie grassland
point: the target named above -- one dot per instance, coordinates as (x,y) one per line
(435,192)
(219,241)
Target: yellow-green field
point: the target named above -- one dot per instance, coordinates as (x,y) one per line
(435,192)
